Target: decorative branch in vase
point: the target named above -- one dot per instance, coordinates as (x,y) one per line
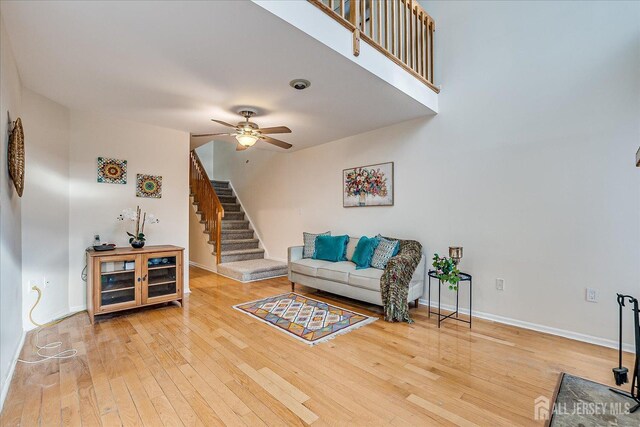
(137,239)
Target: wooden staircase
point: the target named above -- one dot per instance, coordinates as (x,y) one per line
(238,242)
(235,246)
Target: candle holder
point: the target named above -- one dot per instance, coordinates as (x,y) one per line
(455,253)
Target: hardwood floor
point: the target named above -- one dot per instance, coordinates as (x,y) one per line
(208,364)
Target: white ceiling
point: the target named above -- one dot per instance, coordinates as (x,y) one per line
(179,64)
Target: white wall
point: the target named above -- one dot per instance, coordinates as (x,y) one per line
(200,252)
(529,165)
(11,332)
(205,154)
(94,207)
(45,209)
(44,234)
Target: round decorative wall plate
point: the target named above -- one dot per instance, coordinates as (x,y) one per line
(15,157)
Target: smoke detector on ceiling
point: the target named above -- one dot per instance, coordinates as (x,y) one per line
(299,84)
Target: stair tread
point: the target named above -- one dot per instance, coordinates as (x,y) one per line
(238,240)
(270,266)
(223,220)
(242,251)
(234,241)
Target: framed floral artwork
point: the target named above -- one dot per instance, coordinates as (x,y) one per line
(112,171)
(370,185)
(149,186)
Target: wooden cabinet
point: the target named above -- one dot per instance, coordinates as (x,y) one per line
(126,278)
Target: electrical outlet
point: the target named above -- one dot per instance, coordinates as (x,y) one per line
(45,282)
(592,295)
(500,284)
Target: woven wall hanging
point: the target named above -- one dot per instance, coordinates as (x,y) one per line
(15,158)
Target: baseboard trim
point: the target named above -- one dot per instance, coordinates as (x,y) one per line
(202,266)
(7,384)
(603,342)
(51,318)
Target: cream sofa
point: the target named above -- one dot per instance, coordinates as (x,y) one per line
(342,278)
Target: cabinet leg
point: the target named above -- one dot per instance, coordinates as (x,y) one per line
(417,302)
(293,287)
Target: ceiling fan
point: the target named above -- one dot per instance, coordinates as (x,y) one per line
(248,133)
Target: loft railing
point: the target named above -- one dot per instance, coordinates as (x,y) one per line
(400,29)
(208,203)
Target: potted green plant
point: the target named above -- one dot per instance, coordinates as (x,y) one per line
(446,271)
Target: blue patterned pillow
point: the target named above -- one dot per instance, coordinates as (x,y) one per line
(385,250)
(310,243)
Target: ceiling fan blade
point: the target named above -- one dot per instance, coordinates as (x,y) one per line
(276,142)
(276,129)
(210,134)
(240,147)
(223,123)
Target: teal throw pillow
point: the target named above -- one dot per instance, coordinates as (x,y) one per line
(364,252)
(331,248)
(310,243)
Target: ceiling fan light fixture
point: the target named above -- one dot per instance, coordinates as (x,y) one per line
(246,140)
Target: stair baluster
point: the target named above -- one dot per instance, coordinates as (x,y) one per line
(208,203)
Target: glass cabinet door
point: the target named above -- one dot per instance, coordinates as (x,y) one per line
(118,278)
(162,278)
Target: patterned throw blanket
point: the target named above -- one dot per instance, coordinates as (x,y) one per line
(394,283)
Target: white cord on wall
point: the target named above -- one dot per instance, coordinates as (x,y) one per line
(66,354)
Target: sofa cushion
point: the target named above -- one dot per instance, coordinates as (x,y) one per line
(385,250)
(308,266)
(368,278)
(310,243)
(336,271)
(351,247)
(331,248)
(364,252)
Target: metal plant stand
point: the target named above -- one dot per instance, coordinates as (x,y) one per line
(464,277)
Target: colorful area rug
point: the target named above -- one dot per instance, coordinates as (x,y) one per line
(306,319)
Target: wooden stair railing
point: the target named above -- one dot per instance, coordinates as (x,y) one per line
(399,29)
(209,205)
